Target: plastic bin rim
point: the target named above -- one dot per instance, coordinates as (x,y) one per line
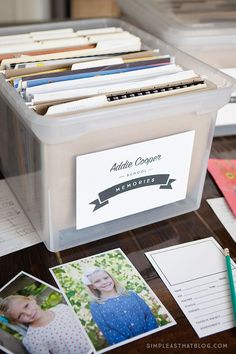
(173,24)
(32,117)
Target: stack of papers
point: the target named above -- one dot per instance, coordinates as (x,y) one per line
(224,214)
(16,232)
(63,72)
(227,114)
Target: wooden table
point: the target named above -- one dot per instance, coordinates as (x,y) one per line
(192,226)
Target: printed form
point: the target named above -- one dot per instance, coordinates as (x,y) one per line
(195,274)
(16,232)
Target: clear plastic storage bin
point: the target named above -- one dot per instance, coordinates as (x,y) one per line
(38,155)
(205,30)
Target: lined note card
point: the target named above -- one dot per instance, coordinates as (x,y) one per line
(16,232)
(195,274)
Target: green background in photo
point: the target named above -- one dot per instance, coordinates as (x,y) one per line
(69,276)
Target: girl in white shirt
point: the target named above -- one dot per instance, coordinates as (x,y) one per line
(54,331)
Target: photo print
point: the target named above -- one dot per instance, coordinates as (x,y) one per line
(35,318)
(112,301)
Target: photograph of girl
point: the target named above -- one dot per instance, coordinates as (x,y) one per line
(119,314)
(35,319)
(112,301)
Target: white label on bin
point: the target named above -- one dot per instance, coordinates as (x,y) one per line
(123,181)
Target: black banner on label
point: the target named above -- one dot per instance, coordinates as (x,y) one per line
(163,180)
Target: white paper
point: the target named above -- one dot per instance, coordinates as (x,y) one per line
(136,75)
(195,274)
(97,90)
(229,71)
(224,214)
(92,31)
(132,44)
(16,232)
(130,179)
(43,45)
(97,63)
(227,114)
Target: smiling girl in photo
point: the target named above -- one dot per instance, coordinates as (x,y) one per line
(119,314)
(53,331)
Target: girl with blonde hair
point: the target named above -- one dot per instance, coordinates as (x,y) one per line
(53,331)
(119,314)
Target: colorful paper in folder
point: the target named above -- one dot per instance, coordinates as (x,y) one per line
(224,174)
(61,73)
